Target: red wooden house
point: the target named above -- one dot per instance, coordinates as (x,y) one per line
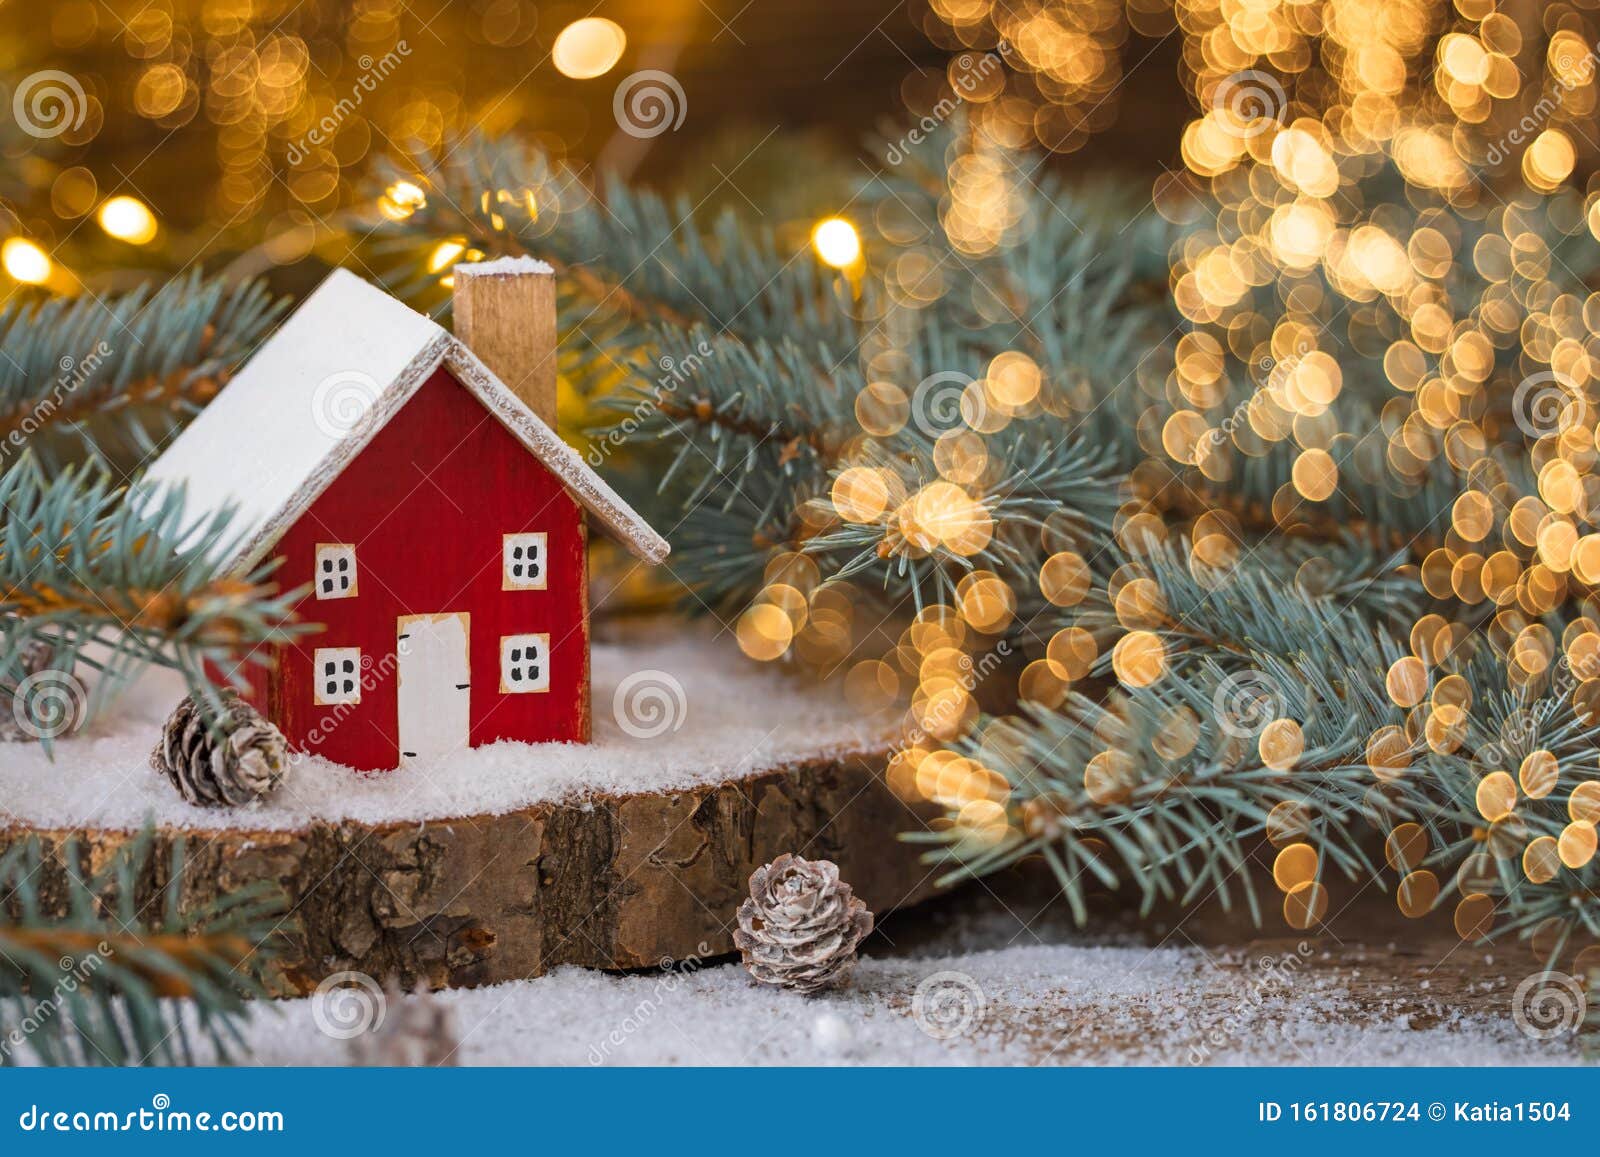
(440,521)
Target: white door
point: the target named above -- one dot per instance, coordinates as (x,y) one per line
(434,686)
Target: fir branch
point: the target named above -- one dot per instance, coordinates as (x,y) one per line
(630,256)
(1105,794)
(91,987)
(80,564)
(113,378)
(1174,779)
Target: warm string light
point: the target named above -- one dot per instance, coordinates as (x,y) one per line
(25,262)
(837,243)
(289,110)
(128,219)
(588,48)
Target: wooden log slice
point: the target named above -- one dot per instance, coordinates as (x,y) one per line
(606,881)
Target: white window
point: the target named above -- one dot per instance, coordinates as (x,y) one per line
(336,570)
(524,663)
(525,562)
(338,671)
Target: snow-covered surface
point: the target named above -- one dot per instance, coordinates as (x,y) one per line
(1037,1004)
(318,391)
(732,719)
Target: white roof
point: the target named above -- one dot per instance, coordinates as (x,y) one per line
(317,392)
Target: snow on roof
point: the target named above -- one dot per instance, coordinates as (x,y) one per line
(319,390)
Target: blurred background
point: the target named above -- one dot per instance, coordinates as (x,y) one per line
(211,125)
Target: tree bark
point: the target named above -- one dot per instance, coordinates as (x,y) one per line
(609,881)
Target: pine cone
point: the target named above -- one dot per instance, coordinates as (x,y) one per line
(801,926)
(415,1033)
(60,704)
(241,759)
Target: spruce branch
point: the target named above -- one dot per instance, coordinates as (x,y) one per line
(92,987)
(81,564)
(632,257)
(112,378)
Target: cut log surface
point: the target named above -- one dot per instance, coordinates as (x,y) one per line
(619,854)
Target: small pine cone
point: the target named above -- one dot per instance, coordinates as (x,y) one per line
(241,759)
(17,724)
(415,1033)
(801,926)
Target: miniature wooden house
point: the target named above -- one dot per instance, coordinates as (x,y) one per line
(438,517)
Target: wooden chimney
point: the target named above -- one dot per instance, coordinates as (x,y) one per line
(505,312)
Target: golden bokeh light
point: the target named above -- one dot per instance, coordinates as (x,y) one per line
(1416,894)
(128,219)
(588,48)
(1305,907)
(837,242)
(1294,867)
(26,262)
(1139,658)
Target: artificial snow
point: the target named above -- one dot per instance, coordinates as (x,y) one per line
(502,266)
(1058,1004)
(686,717)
